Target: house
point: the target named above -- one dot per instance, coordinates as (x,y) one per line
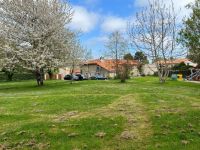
(62,72)
(186,61)
(150,69)
(67,70)
(106,67)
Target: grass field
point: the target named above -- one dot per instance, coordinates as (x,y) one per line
(100,115)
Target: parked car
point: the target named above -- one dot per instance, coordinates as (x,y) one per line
(75,78)
(80,77)
(84,77)
(68,77)
(93,78)
(99,77)
(71,77)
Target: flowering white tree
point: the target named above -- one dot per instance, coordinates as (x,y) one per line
(8,60)
(37,31)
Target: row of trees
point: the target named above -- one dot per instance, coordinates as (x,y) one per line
(157,34)
(35,34)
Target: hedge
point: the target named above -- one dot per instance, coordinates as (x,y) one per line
(18,76)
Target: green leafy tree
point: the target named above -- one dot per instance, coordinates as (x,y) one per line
(126,67)
(142,59)
(190,34)
(181,67)
(128,57)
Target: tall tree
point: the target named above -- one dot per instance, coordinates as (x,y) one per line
(76,56)
(87,56)
(142,59)
(36,29)
(190,34)
(154,32)
(117,47)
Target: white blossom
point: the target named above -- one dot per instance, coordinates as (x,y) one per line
(36,30)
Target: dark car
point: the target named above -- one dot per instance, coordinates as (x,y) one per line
(68,77)
(71,77)
(80,77)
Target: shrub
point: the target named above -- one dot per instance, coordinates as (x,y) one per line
(18,76)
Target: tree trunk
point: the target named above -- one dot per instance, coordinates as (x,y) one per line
(72,71)
(162,78)
(50,76)
(39,75)
(9,76)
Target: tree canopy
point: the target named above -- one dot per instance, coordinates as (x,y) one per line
(141,57)
(128,56)
(190,34)
(35,34)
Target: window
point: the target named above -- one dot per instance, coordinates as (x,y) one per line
(98,68)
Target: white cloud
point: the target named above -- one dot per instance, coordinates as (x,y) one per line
(97,41)
(112,23)
(97,44)
(180,9)
(140,3)
(180,4)
(83,19)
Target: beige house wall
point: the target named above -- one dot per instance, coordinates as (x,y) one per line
(91,70)
(149,69)
(134,71)
(64,71)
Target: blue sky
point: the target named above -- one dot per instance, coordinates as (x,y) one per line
(98,18)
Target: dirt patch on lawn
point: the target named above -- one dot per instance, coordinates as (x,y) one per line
(137,127)
(134,112)
(196,105)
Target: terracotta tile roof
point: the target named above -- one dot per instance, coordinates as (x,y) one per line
(175,61)
(109,64)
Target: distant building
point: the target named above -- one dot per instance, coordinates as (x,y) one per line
(67,70)
(150,69)
(186,61)
(62,72)
(106,67)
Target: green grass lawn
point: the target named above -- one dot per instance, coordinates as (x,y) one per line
(100,115)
